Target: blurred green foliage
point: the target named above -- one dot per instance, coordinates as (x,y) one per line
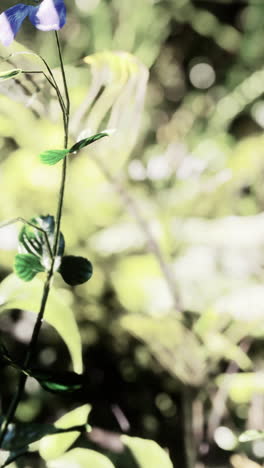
(169,209)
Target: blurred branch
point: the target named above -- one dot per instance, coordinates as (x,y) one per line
(132,206)
(219,400)
(189,445)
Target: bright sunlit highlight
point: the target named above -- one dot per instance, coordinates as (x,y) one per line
(202,75)
(225,438)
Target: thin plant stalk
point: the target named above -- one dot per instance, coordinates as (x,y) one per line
(186,391)
(65,108)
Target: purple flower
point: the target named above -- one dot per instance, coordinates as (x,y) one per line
(49,15)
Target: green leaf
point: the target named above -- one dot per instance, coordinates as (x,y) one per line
(175,347)
(13,456)
(87,141)
(15,293)
(54,446)
(26,266)
(82,458)
(59,382)
(33,241)
(51,157)
(21,435)
(9,74)
(251,435)
(75,270)
(147,453)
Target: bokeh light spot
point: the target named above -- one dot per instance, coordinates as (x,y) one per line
(202,75)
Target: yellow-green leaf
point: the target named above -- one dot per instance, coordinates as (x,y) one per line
(147,453)
(55,445)
(83,458)
(15,293)
(7,75)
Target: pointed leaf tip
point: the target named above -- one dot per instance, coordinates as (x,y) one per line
(87,141)
(9,74)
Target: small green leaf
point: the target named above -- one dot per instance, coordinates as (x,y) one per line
(7,75)
(87,141)
(251,435)
(33,241)
(26,266)
(61,382)
(51,157)
(75,270)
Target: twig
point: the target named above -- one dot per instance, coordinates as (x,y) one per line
(219,400)
(131,204)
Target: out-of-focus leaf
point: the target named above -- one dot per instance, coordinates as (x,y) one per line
(51,157)
(251,435)
(174,346)
(219,346)
(15,293)
(81,458)
(241,387)
(26,266)
(75,270)
(54,446)
(147,453)
(87,141)
(13,456)
(115,100)
(19,435)
(7,75)
(55,382)
(242,461)
(135,277)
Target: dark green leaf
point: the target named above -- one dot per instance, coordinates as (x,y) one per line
(56,382)
(20,436)
(14,455)
(75,270)
(26,266)
(87,141)
(56,387)
(52,157)
(7,75)
(32,241)
(59,382)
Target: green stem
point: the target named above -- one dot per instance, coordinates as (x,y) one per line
(64,79)
(66,135)
(46,289)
